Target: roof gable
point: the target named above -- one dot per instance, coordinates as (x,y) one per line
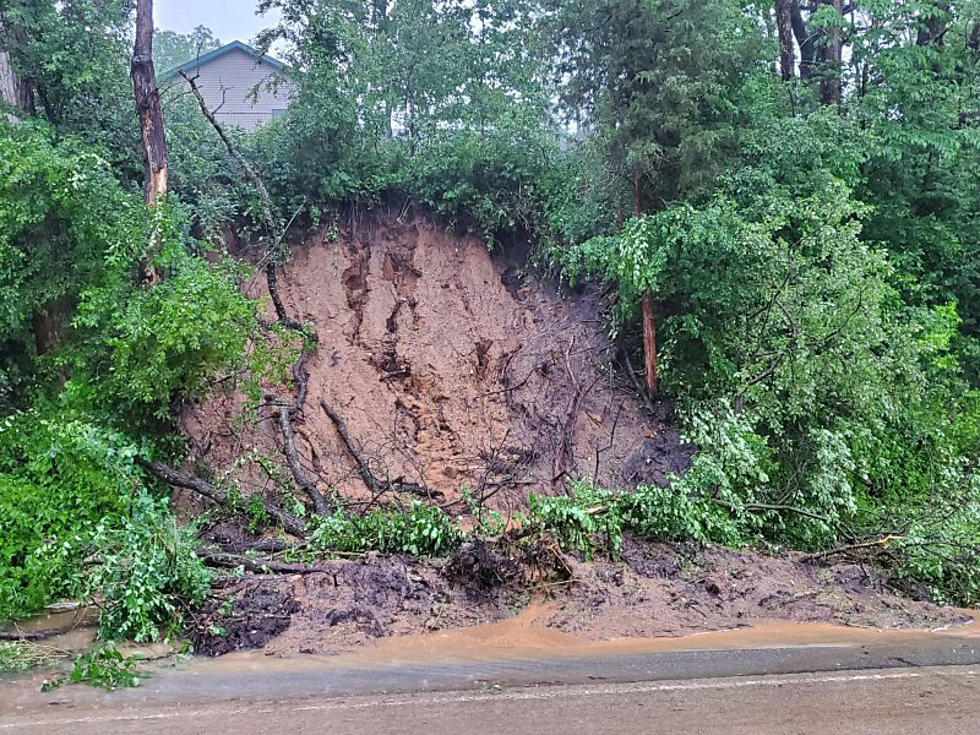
(218,53)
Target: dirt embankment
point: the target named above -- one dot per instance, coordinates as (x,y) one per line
(451,370)
(656,590)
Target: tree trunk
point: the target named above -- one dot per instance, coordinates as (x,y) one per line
(830,82)
(148,105)
(787,52)
(649,323)
(650,346)
(51,324)
(932,30)
(14,89)
(806,40)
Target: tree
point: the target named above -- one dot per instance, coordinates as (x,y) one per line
(15,90)
(148,105)
(661,83)
(171,49)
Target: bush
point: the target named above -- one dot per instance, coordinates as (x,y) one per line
(60,478)
(422,530)
(148,573)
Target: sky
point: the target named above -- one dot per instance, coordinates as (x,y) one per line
(229,20)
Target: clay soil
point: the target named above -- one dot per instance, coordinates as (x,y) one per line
(656,590)
(452,369)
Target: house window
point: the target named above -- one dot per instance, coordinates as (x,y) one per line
(278,112)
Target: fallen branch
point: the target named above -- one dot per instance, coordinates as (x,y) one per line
(776,506)
(373,484)
(883,542)
(292,459)
(362,469)
(258,566)
(34,635)
(290,523)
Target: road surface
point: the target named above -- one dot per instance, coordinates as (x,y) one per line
(942,700)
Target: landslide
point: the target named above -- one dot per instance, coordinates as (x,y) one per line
(452,368)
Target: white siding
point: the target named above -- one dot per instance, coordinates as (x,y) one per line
(229,82)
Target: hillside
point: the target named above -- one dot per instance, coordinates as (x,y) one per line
(453,369)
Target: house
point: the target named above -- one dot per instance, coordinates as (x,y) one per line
(241,85)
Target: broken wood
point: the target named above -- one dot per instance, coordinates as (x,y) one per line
(28,636)
(292,459)
(148,105)
(650,346)
(272,223)
(290,523)
(257,565)
(371,482)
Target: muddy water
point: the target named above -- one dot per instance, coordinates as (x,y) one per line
(76,626)
(525,637)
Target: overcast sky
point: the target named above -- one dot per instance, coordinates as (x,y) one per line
(229,20)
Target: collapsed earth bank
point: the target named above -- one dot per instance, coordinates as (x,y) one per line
(458,377)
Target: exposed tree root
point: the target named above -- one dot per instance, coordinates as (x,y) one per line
(309,336)
(258,566)
(290,523)
(292,458)
(371,482)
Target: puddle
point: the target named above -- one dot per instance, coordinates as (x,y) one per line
(75,626)
(524,637)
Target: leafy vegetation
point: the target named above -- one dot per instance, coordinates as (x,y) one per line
(18,656)
(104,666)
(422,530)
(796,204)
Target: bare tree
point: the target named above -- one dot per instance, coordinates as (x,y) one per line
(148,105)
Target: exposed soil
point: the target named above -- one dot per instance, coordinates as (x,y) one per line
(451,370)
(657,590)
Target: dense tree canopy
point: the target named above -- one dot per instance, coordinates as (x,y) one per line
(790,187)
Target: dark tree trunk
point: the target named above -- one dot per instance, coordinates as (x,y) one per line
(148,105)
(787,50)
(806,40)
(932,30)
(51,324)
(830,74)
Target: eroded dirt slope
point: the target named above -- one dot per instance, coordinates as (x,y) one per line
(451,370)
(656,590)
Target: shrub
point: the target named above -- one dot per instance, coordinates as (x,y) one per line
(422,530)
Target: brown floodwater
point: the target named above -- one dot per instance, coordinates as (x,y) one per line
(526,637)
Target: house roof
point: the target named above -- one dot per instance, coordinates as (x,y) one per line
(217,54)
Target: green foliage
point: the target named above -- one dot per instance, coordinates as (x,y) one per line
(60,477)
(104,666)
(75,515)
(18,656)
(422,530)
(148,572)
(137,348)
(75,53)
(592,519)
(588,519)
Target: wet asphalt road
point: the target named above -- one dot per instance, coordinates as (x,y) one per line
(897,683)
(942,700)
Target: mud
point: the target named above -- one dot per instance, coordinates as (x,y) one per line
(245,614)
(451,370)
(656,591)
